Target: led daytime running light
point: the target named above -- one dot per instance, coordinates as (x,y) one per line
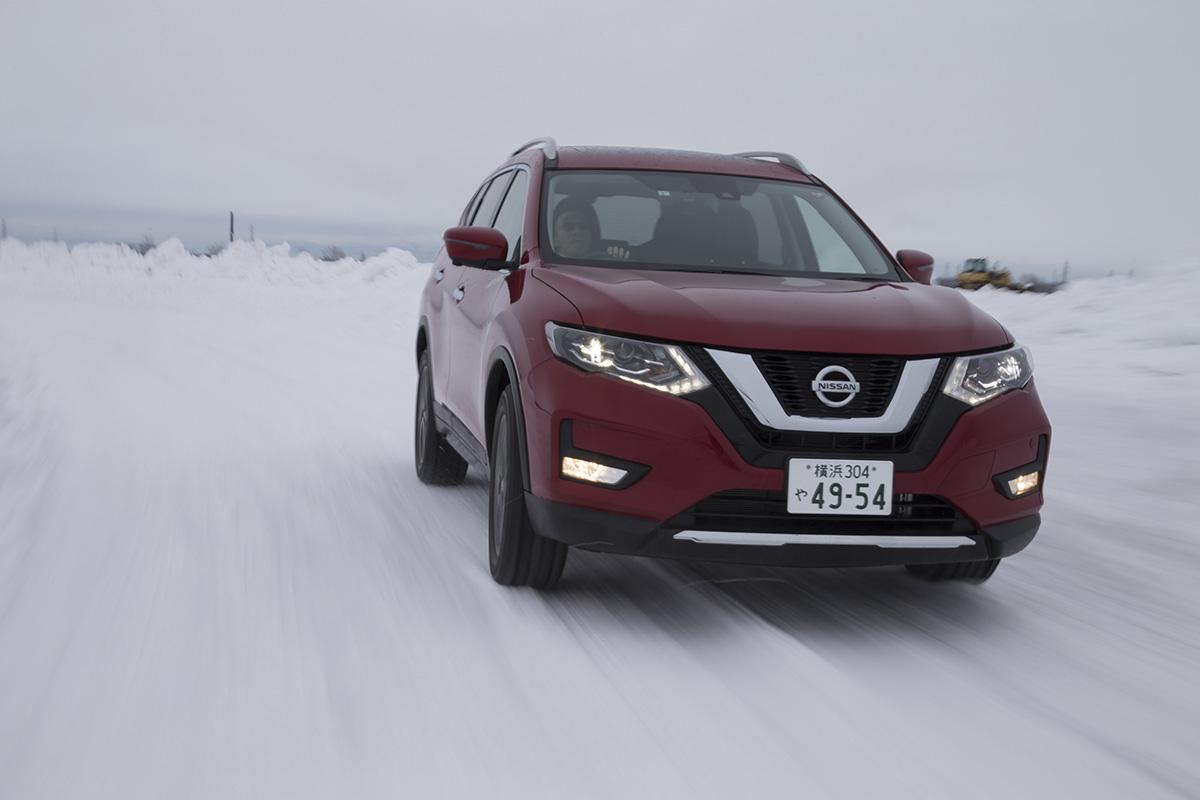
(662,367)
(977,379)
(591,471)
(1024,484)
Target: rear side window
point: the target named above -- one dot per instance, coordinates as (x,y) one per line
(511,219)
(485,212)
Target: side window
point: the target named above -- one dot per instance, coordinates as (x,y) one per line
(465,218)
(485,212)
(511,219)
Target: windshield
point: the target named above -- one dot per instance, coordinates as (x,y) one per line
(704,223)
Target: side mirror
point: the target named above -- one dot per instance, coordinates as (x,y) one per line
(477,247)
(918,265)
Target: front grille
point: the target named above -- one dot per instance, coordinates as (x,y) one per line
(791,376)
(820,441)
(766,512)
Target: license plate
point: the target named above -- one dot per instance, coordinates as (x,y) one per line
(826,486)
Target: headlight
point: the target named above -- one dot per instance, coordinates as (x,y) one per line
(657,366)
(976,379)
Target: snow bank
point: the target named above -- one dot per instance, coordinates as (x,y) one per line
(1156,309)
(241,261)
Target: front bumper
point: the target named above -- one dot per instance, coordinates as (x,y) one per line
(617,533)
(699,448)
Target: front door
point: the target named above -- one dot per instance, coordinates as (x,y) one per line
(466,309)
(483,293)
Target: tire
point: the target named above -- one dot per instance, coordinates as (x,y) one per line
(436,461)
(971,571)
(516,555)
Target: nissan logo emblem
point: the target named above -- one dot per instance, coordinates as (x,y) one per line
(837,381)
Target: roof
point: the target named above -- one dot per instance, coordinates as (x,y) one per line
(669,160)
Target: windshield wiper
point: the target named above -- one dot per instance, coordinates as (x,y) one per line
(699,270)
(706,271)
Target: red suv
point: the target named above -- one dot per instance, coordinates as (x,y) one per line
(711,357)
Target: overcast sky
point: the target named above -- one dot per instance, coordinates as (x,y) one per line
(1032,132)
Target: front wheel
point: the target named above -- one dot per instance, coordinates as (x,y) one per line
(972,571)
(517,556)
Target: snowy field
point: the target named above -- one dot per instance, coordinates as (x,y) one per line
(220,578)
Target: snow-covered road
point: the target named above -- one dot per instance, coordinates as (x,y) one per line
(219,576)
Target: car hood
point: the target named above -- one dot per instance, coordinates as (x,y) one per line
(777,313)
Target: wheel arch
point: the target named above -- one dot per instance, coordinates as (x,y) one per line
(503,372)
(422,338)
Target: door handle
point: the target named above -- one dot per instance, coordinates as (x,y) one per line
(459,294)
(437,276)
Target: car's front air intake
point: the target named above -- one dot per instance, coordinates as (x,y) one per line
(792,375)
(765,511)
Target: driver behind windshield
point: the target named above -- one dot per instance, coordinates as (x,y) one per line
(576,232)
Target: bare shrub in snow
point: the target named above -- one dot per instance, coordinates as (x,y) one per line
(144,246)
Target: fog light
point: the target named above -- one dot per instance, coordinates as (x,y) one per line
(1023,484)
(591,471)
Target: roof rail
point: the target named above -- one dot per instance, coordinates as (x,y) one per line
(547,144)
(783,158)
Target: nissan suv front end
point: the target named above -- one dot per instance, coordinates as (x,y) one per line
(710,357)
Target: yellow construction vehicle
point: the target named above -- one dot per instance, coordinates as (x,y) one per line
(977,272)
